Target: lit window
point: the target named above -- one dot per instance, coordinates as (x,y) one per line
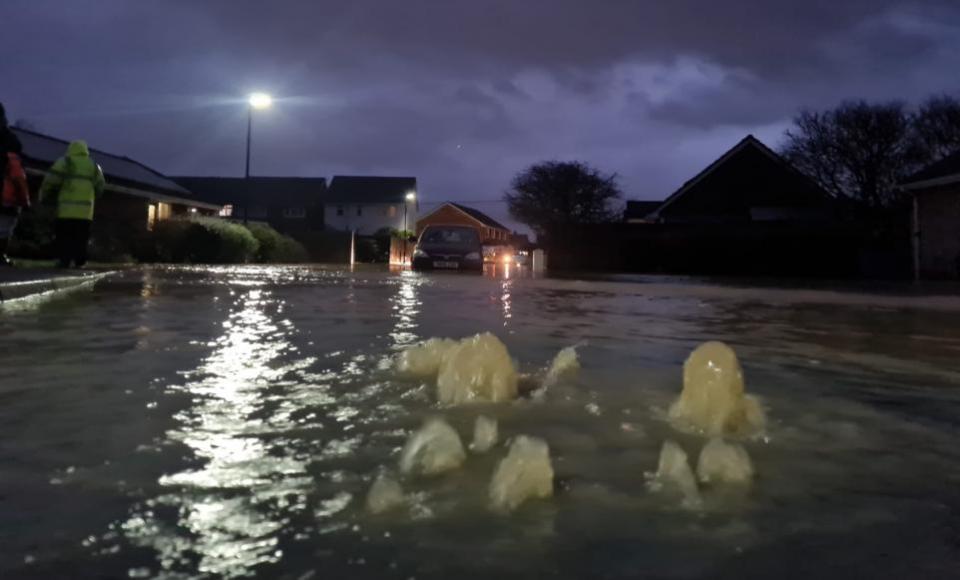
(151,217)
(226,211)
(163,211)
(294,212)
(393,211)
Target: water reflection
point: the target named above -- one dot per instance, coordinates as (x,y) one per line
(230,508)
(505,298)
(405,306)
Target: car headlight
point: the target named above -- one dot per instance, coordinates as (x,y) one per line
(418,253)
(473,256)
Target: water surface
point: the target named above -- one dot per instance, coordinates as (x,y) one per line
(227,422)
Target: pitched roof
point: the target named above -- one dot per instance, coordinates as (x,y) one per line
(747,143)
(945,171)
(480,216)
(44,150)
(271,190)
(363,189)
(640,209)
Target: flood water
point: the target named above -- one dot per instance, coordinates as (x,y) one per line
(228,422)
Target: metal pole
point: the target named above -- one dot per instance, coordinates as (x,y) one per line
(246,173)
(403,236)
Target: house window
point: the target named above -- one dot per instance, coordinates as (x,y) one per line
(359,211)
(163,211)
(226,211)
(294,212)
(340,210)
(151,217)
(393,211)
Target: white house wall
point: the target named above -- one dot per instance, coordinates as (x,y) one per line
(374,216)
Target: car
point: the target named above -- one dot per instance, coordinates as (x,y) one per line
(448,248)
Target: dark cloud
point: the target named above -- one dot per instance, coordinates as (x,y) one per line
(461,93)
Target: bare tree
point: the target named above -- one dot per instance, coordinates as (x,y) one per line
(552,195)
(857,151)
(937,123)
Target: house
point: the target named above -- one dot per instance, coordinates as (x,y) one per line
(750,212)
(289,204)
(367,205)
(748,183)
(491,231)
(936,219)
(135,197)
(638,212)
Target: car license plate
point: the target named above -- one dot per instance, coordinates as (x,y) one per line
(446,265)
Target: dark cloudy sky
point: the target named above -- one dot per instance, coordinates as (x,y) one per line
(461,94)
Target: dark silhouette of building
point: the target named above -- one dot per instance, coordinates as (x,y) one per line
(288,204)
(749,212)
(936,219)
(748,183)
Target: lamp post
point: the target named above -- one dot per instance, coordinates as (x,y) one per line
(256,101)
(411,196)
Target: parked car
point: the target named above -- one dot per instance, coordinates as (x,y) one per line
(448,248)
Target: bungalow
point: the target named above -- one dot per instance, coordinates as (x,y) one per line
(936,219)
(491,231)
(135,197)
(290,205)
(367,205)
(748,183)
(749,212)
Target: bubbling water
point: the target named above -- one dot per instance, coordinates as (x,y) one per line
(723,462)
(525,473)
(674,475)
(564,366)
(474,369)
(484,434)
(713,400)
(385,495)
(433,449)
(423,360)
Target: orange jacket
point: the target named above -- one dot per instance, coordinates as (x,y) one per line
(15,191)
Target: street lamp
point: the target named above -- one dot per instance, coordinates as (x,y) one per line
(256,101)
(411,196)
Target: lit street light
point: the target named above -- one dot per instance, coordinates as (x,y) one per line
(261,101)
(256,101)
(411,196)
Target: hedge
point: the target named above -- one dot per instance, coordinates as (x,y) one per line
(276,247)
(202,240)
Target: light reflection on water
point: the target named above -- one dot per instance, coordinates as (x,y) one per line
(230,533)
(406,306)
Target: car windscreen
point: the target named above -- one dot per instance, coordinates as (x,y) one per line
(451,236)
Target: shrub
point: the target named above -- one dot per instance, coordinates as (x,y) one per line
(202,240)
(276,247)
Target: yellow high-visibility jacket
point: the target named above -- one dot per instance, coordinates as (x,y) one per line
(76,181)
